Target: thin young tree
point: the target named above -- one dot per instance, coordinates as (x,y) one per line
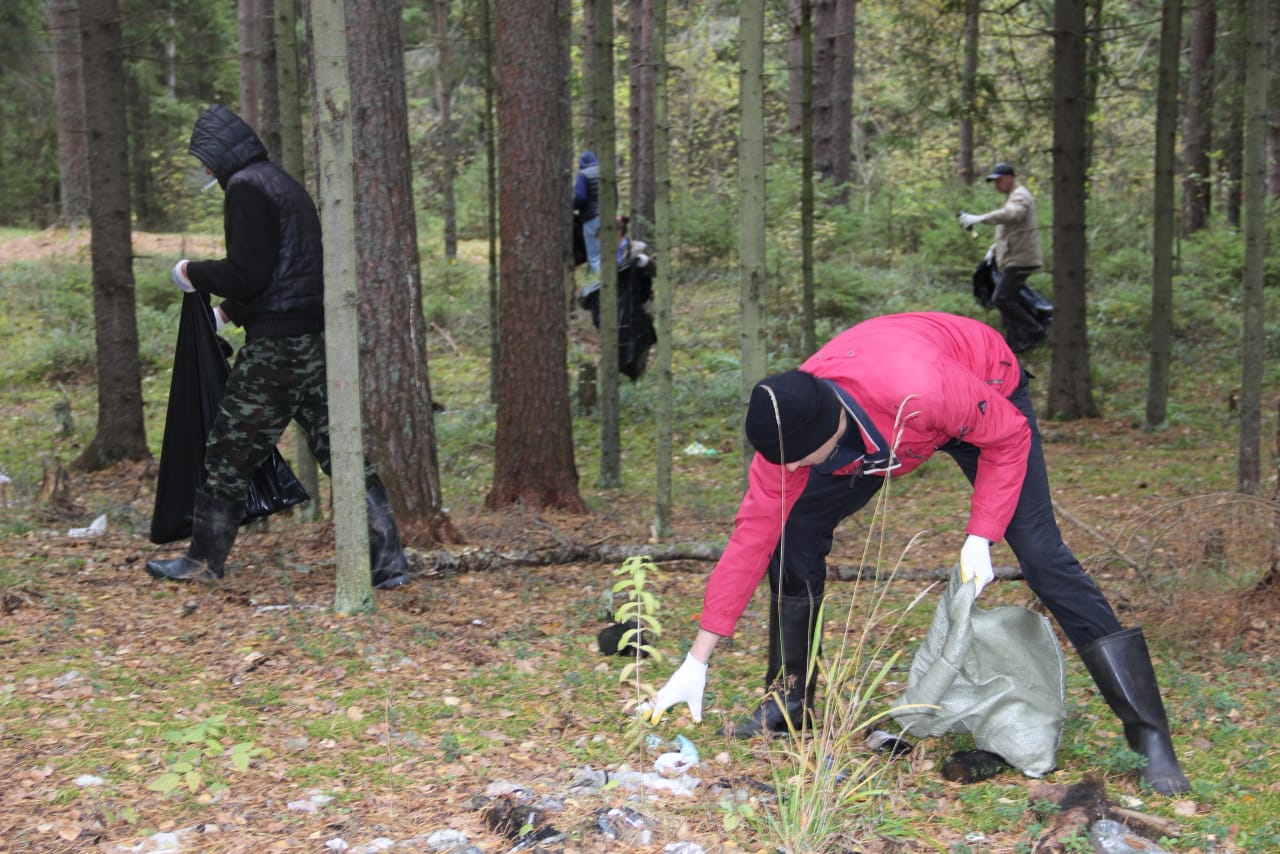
(969,91)
(249,29)
(489,130)
(751,200)
(1070,384)
(662,275)
(121,433)
(642,81)
(394,381)
(533,442)
(1197,183)
(444,97)
(68,91)
(808,310)
(288,82)
(601,86)
(335,156)
(1164,215)
(1252,338)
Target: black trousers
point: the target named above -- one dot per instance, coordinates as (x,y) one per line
(1021,329)
(1050,569)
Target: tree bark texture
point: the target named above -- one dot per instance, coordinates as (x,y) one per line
(68,88)
(969,91)
(444,93)
(833,54)
(249,26)
(269,119)
(606,147)
(1231,103)
(1070,385)
(1164,213)
(642,119)
(1197,183)
(662,274)
(121,432)
(1253,306)
(337,181)
(751,202)
(533,454)
(395,386)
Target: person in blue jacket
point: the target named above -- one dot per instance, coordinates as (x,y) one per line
(586,202)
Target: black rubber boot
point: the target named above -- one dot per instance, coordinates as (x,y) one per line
(386,556)
(214,525)
(1121,666)
(792,626)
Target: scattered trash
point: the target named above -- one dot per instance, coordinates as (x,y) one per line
(444,840)
(610,638)
(697,449)
(972,766)
(651,781)
(683,848)
(590,779)
(314,801)
(1112,837)
(89,780)
(67,678)
(886,742)
(625,825)
(96,527)
(336,845)
(373,846)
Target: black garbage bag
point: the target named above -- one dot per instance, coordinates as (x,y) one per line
(200,371)
(636,333)
(579,241)
(984,287)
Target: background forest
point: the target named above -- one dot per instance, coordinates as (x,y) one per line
(1158,388)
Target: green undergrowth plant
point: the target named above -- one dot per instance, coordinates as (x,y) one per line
(639,610)
(191,767)
(830,783)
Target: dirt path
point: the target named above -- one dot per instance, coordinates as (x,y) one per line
(73,245)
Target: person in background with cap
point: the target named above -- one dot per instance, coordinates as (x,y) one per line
(272,284)
(875,402)
(1016,254)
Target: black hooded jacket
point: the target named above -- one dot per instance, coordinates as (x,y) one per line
(272,280)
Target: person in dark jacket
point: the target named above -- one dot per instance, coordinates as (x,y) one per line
(272,284)
(586,202)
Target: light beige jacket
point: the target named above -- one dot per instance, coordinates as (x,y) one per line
(1017,232)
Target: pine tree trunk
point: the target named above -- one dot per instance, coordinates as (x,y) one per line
(394,381)
(1197,186)
(1164,213)
(601,87)
(1070,385)
(642,120)
(969,91)
(751,201)
(444,78)
(1252,304)
(662,275)
(68,86)
(121,432)
(533,454)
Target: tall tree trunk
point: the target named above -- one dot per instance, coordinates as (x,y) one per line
(1070,386)
(338,201)
(249,26)
(1273,99)
(1196,185)
(533,442)
(798,68)
(288,81)
(842,97)
(751,201)
(601,87)
(491,186)
(121,432)
(808,310)
(68,89)
(642,119)
(590,109)
(1231,100)
(138,113)
(1164,214)
(444,82)
(269,120)
(1252,339)
(822,70)
(394,381)
(662,274)
(969,91)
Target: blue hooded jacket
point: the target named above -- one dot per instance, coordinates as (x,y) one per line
(586,189)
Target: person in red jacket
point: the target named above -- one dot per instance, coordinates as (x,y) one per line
(875,402)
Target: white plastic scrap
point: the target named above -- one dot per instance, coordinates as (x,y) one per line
(96,527)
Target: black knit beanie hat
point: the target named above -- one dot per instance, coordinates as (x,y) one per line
(807,408)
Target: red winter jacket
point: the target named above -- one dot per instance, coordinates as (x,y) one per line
(923,379)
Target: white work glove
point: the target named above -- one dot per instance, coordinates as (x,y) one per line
(975,562)
(180,277)
(684,686)
(990,257)
(968,220)
(220,318)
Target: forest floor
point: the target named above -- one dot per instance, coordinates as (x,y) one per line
(249,716)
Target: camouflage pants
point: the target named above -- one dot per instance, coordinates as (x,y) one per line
(274,381)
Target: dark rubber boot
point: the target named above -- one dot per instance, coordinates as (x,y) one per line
(386,556)
(214,525)
(792,626)
(1121,666)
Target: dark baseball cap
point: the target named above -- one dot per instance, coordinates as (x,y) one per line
(999,170)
